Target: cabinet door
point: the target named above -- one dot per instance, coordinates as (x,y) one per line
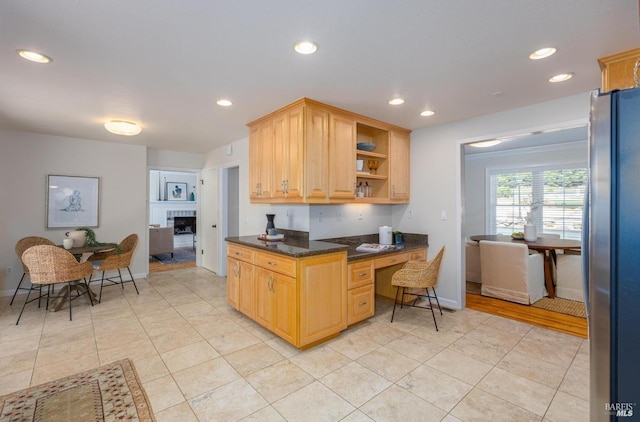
(617,70)
(317,154)
(280,154)
(233,282)
(285,307)
(260,161)
(342,156)
(399,172)
(247,302)
(264,280)
(295,154)
(323,300)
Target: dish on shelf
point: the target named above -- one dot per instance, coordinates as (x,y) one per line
(366,146)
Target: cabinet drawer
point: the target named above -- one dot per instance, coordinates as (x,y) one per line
(360,304)
(389,260)
(360,274)
(419,255)
(239,253)
(280,264)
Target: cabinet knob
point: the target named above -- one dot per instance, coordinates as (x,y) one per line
(362,303)
(362,274)
(274,264)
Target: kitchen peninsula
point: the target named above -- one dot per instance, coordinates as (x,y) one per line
(307,291)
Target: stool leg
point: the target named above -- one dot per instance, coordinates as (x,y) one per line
(17,288)
(437,301)
(134,282)
(394,303)
(431,307)
(70,318)
(23,306)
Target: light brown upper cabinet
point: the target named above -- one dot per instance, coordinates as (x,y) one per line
(618,70)
(306,152)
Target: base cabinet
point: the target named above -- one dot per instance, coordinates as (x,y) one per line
(276,305)
(301,300)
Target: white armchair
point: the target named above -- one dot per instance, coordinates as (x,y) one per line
(509,272)
(472,261)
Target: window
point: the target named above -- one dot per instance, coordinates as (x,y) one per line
(553,197)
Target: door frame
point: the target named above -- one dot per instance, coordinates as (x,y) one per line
(223,216)
(197,172)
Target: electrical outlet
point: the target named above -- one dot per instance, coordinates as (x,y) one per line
(360,215)
(443,215)
(9,270)
(319,215)
(338,216)
(410,214)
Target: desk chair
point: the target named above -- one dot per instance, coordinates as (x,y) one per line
(49,265)
(115,259)
(22,245)
(418,275)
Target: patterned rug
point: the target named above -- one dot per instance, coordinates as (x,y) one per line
(108,393)
(558,304)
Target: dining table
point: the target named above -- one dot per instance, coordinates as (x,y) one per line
(546,245)
(81,253)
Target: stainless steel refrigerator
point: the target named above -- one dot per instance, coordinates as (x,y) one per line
(612,255)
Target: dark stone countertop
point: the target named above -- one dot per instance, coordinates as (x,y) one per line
(297,245)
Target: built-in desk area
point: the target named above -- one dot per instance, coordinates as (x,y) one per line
(307,291)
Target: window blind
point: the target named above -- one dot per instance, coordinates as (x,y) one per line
(552,197)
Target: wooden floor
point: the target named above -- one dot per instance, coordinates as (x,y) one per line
(540,317)
(157,266)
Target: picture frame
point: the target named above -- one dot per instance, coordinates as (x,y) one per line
(176,191)
(72,201)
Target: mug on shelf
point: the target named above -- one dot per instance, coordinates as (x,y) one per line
(359,165)
(67,243)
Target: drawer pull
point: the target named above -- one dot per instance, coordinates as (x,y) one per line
(275,264)
(238,253)
(362,303)
(362,274)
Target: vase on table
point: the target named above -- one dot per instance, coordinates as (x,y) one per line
(530,232)
(270,223)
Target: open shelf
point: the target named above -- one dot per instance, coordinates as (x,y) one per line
(371,154)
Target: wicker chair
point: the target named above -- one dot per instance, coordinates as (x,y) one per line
(49,265)
(22,245)
(116,259)
(418,275)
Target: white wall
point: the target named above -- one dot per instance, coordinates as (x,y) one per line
(477,165)
(436,183)
(25,161)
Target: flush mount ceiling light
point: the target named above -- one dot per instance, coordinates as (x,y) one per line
(305,47)
(396,101)
(34,56)
(122,127)
(561,77)
(542,53)
(485,144)
(224,103)
(427,113)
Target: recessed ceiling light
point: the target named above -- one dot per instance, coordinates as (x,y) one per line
(396,101)
(542,53)
(34,56)
(224,103)
(561,77)
(485,144)
(305,47)
(427,113)
(122,127)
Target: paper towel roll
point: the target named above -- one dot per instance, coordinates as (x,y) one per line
(386,233)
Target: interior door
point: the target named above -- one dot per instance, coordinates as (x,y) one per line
(209,238)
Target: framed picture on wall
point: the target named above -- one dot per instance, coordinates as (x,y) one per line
(176,191)
(72,201)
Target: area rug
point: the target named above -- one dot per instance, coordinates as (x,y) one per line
(185,254)
(109,393)
(558,304)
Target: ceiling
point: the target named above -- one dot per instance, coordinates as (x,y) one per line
(164,63)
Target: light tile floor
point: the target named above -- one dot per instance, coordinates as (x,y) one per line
(201,360)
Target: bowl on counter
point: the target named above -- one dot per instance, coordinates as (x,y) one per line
(366,146)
